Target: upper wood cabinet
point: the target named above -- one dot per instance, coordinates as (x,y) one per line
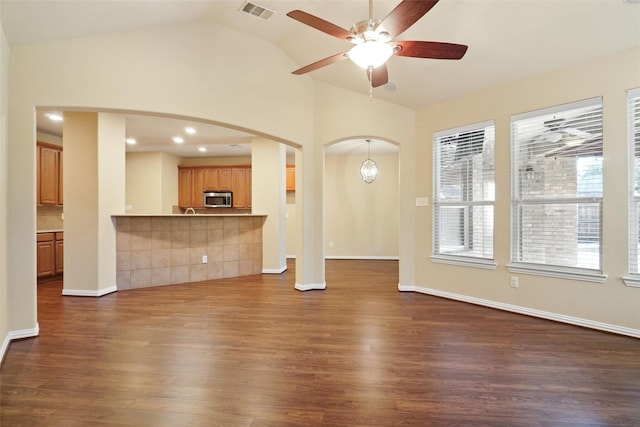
(185,175)
(193,181)
(241,187)
(225,179)
(291,177)
(197,188)
(49,180)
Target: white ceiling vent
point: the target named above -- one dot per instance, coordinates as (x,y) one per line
(256,10)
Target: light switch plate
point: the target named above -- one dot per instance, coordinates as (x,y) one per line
(422,201)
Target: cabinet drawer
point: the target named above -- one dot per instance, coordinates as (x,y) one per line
(45,237)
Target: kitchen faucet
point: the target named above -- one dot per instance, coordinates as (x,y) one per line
(186,211)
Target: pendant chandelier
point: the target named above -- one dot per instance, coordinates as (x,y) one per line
(369,169)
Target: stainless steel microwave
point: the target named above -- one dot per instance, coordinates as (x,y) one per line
(218,199)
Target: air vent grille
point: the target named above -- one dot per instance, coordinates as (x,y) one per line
(256,10)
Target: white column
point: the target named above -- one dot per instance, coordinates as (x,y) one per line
(309,212)
(268,176)
(94,189)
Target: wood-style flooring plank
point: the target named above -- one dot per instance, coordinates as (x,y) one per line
(253,351)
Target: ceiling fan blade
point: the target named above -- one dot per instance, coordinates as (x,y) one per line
(379,76)
(321,25)
(435,50)
(322,63)
(405,15)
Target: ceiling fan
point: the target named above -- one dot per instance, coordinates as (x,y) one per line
(374,40)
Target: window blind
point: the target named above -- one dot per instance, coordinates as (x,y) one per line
(556,176)
(464,191)
(633,108)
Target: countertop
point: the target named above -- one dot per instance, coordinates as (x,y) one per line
(49,231)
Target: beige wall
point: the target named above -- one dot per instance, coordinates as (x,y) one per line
(88,73)
(611,303)
(151,183)
(4,78)
(94,183)
(361,220)
(50,139)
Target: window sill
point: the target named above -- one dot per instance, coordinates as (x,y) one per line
(633,282)
(571,274)
(464,261)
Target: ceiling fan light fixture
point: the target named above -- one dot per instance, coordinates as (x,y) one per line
(371,53)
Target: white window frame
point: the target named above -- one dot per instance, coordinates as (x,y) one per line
(460,259)
(633,123)
(544,269)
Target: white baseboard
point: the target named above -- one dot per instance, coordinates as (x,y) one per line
(87,293)
(578,321)
(311,286)
(16,335)
(274,270)
(382,258)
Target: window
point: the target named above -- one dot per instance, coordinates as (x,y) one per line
(634,199)
(556,200)
(464,194)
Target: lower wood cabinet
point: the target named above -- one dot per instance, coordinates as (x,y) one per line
(50,254)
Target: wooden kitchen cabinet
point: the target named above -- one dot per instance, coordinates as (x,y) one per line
(46,253)
(50,254)
(211,179)
(248,187)
(240,187)
(291,177)
(49,170)
(197,188)
(184,187)
(225,179)
(194,180)
(59,250)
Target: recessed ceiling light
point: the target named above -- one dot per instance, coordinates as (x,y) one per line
(178,139)
(55,117)
(130,141)
(202,149)
(190,130)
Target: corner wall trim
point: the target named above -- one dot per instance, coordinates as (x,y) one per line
(311,286)
(16,335)
(274,270)
(86,293)
(578,321)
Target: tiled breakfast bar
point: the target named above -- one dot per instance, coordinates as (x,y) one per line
(157,250)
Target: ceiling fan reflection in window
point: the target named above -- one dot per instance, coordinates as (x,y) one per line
(562,139)
(374,42)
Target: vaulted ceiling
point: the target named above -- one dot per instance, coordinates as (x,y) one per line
(508,40)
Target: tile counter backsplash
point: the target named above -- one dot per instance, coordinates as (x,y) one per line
(49,218)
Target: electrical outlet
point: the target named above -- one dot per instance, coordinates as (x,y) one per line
(204,259)
(330,244)
(514,281)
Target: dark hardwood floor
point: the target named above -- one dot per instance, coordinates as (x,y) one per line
(253,351)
